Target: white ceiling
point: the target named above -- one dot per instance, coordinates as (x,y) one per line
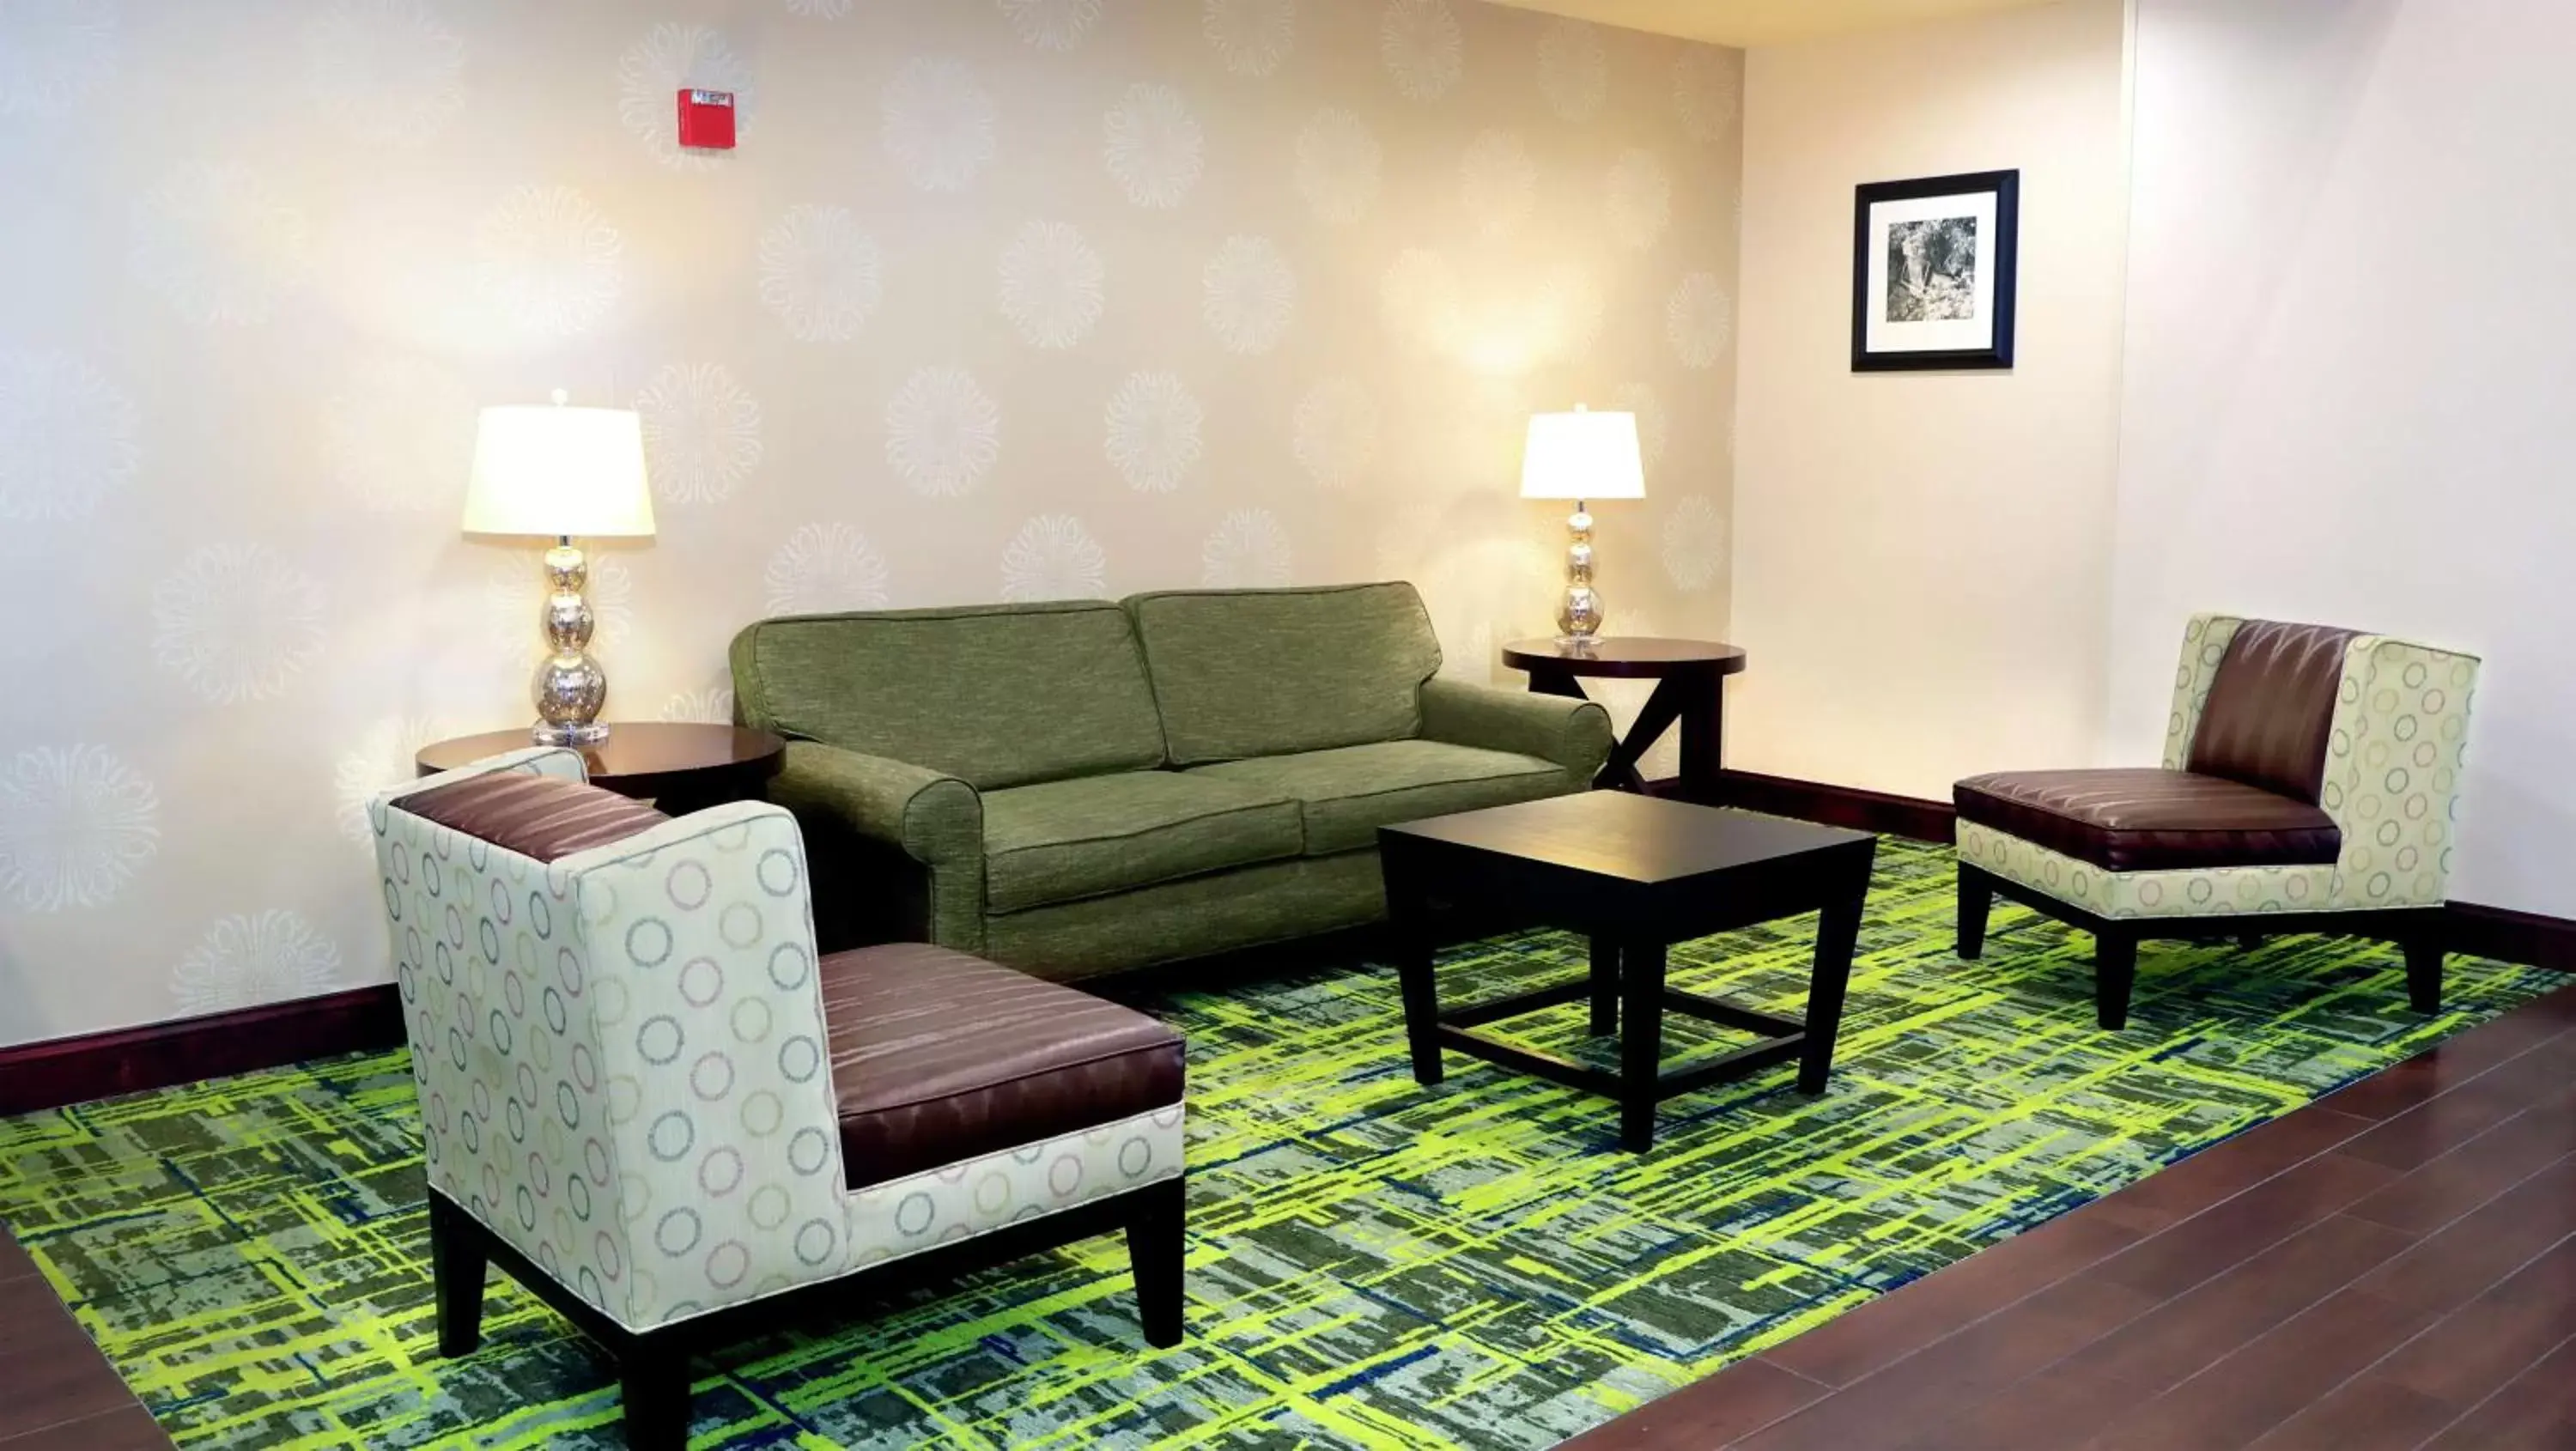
(1762,22)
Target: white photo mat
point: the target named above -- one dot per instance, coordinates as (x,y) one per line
(1976,331)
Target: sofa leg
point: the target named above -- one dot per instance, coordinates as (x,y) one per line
(2115,972)
(1976,896)
(1156,1248)
(457,1270)
(2424,973)
(656,1382)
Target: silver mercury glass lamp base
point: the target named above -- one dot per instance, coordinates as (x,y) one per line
(1580,613)
(570,688)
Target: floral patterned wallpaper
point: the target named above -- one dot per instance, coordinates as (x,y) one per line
(1007,299)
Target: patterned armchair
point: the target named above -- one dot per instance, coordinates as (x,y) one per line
(646,1097)
(2310,783)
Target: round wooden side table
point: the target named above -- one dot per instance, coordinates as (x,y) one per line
(678,766)
(1690,687)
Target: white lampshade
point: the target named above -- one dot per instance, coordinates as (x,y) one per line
(1582,455)
(559,471)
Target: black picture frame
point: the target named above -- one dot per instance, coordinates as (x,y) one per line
(2005,186)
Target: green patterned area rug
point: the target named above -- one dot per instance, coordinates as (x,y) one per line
(1371,1263)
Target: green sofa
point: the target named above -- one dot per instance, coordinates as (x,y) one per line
(1078,787)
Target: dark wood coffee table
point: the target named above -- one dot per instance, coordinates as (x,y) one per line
(1635,874)
(1690,691)
(679,766)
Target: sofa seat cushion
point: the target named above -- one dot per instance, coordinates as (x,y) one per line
(2150,820)
(938,1056)
(1062,840)
(1349,792)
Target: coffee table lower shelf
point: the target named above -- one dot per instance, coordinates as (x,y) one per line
(1777,1040)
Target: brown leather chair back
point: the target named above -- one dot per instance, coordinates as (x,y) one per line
(2270,708)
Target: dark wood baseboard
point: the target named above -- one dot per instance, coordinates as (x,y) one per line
(157,1055)
(1851,806)
(45,1075)
(60,1071)
(2507,935)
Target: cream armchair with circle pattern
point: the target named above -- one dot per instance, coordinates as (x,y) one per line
(2310,783)
(646,1096)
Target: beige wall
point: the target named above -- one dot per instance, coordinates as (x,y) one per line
(1921,563)
(2349,368)
(999,297)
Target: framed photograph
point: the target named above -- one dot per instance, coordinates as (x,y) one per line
(1933,268)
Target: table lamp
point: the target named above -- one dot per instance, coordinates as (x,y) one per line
(1581,456)
(562,472)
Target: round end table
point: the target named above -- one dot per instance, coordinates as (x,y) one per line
(1690,687)
(678,766)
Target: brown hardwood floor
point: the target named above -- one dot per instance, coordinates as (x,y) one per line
(57,1392)
(2391,1267)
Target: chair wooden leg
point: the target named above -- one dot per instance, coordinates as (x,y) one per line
(656,1381)
(2424,973)
(2115,972)
(457,1267)
(1156,1249)
(1976,896)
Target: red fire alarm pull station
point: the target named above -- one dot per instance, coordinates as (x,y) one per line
(706,120)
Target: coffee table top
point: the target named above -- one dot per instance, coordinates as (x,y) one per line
(1624,656)
(1627,837)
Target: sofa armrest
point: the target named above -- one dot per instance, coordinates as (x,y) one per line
(1575,734)
(937,819)
(934,819)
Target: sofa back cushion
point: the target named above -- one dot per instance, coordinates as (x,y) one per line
(1000,695)
(1242,673)
(2270,708)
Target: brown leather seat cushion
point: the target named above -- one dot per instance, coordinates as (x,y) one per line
(545,817)
(2150,820)
(938,1056)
